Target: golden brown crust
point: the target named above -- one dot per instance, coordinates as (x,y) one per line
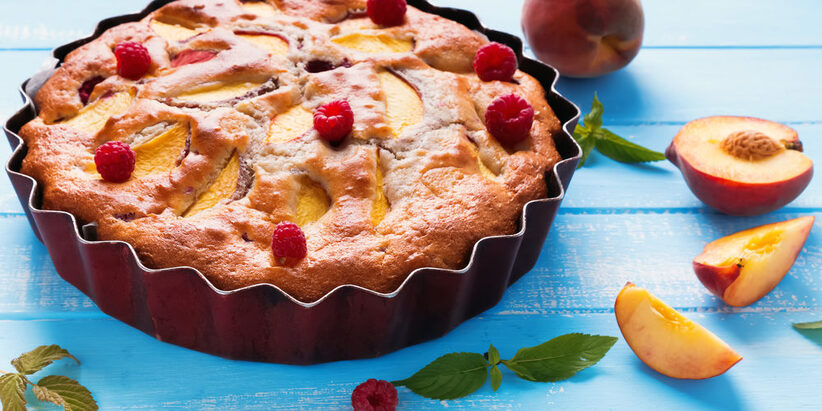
(447,182)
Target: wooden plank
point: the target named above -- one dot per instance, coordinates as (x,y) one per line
(125,369)
(675,23)
(585,261)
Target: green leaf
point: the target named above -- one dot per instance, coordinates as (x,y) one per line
(623,150)
(451,376)
(12,389)
(559,358)
(815,325)
(593,120)
(586,140)
(65,392)
(496,377)
(36,359)
(493,355)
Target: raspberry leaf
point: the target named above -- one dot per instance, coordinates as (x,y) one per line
(559,358)
(12,389)
(65,392)
(622,150)
(815,325)
(34,360)
(448,377)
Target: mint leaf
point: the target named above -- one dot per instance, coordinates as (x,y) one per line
(65,392)
(12,389)
(451,376)
(493,355)
(496,377)
(593,119)
(36,359)
(815,325)
(559,358)
(587,142)
(622,150)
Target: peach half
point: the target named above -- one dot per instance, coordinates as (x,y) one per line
(744,267)
(741,165)
(667,341)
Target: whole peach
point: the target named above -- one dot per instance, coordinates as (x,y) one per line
(584,38)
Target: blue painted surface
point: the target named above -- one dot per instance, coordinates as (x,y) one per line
(618,223)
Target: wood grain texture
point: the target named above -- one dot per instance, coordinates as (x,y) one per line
(618,223)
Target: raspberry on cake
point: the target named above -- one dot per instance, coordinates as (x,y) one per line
(222,145)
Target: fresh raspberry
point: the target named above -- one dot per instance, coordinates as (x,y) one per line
(374,395)
(87,87)
(509,118)
(495,61)
(334,120)
(386,12)
(115,161)
(288,241)
(133,60)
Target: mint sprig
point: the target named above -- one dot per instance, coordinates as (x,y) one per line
(456,375)
(591,135)
(814,325)
(56,389)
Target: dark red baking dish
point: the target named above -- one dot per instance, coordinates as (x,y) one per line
(263,323)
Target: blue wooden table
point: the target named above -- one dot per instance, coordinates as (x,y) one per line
(618,223)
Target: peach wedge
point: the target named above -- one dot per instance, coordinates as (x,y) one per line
(744,267)
(667,341)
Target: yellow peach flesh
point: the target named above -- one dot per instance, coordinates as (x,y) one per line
(160,154)
(172,32)
(380,206)
(93,117)
(374,43)
(666,340)
(290,124)
(260,8)
(403,106)
(272,44)
(312,201)
(218,92)
(222,188)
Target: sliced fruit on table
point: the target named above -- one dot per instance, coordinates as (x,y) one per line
(667,341)
(290,124)
(160,154)
(403,105)
(222,188)
(312,201)
(741,165)
(377,43)
(218,92)
(269,42)
(93,117)
(742,268)
(172,32)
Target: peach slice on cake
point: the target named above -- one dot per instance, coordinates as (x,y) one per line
(744,267)
(172,32)
(403,105)
(377,43)
(222,188)
(93,117)
(270,42)
(214,92)
(312,201)
(260,8)
(667,341)
(290,124)
(741,165)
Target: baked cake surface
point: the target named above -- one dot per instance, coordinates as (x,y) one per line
(225,147)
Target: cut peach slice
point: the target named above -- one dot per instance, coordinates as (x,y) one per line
(93,117)
(403,105)
(312,201)
(744,267)
(160,154)
(218,92)
(741,165)
(290,124)
(222,188)
(667,341)
(260,8)
(374,43)
(172,32)
(380,206)
(271,43)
